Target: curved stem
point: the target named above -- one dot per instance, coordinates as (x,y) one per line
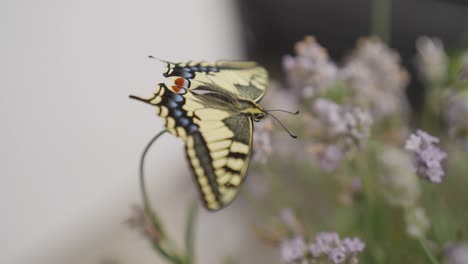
(190,233)
(155,222)
(144,193)
(428,252)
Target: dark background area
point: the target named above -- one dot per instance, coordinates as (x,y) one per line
(271,27)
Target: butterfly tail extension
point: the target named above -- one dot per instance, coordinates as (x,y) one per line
(155,99)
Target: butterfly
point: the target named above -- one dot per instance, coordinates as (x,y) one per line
(212,107)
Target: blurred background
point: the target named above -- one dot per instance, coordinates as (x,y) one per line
(71,138)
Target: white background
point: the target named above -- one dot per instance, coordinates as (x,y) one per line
(71,138)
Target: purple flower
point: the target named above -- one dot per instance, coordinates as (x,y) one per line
(262,141)
(349,122)
(455,114)
(290,220)
(328,238)
(427,157)
(311,72)
(292,250)
(329,244)
(353,245)
(456,253)
(375,78)
(337,255)
(431,59)
(417,222)
(397,176)
(330,158)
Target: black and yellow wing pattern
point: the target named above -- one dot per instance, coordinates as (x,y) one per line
(240,79)
(216,124)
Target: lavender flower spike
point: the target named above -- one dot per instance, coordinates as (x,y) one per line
(292,250)
(329,245)
(427,157)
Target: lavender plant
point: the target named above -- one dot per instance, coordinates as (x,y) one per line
(390,182)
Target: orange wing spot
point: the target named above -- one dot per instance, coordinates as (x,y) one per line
(176,88)
(180,82)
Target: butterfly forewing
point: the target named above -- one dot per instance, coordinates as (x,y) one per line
(244,80)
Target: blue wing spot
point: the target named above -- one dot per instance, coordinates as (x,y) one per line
(192,128)
(171,104)
(187,75)
(177,113)
(184,121)
(178,98)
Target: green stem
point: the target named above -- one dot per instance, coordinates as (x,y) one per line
(148,209)
(381,18)
(429,254)
(190,234)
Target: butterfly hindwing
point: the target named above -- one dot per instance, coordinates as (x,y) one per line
(220,160)
(244,80)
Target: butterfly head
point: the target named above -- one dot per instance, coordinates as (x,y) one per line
(258,114)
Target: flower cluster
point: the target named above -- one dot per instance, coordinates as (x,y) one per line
(401,186)
(455,114)
(417,222)
(262,141)
(311,72)
(375,78)
(427,157)
(456,253)
(326,246)
(344,127)
(348,122)
(431,59)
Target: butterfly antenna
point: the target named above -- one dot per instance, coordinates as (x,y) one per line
(158,59)
(280,110)
(139,98)
(277,120)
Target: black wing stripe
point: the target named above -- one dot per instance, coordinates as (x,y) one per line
(203,155)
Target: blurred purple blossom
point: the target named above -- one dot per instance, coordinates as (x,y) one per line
(400,183)
(343,120)
(417,222)
(291,221)
(456,253)
(431,59)
(330,158)
(427,157)
(456,112)
(338,251)
(342,127)
(292,250)
(353,244)
(262,141)
(375,78)
(311,72)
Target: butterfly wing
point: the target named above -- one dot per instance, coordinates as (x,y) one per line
(218,140)
(245,80)
(220,157)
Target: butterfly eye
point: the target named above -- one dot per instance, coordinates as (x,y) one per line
(259,116)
